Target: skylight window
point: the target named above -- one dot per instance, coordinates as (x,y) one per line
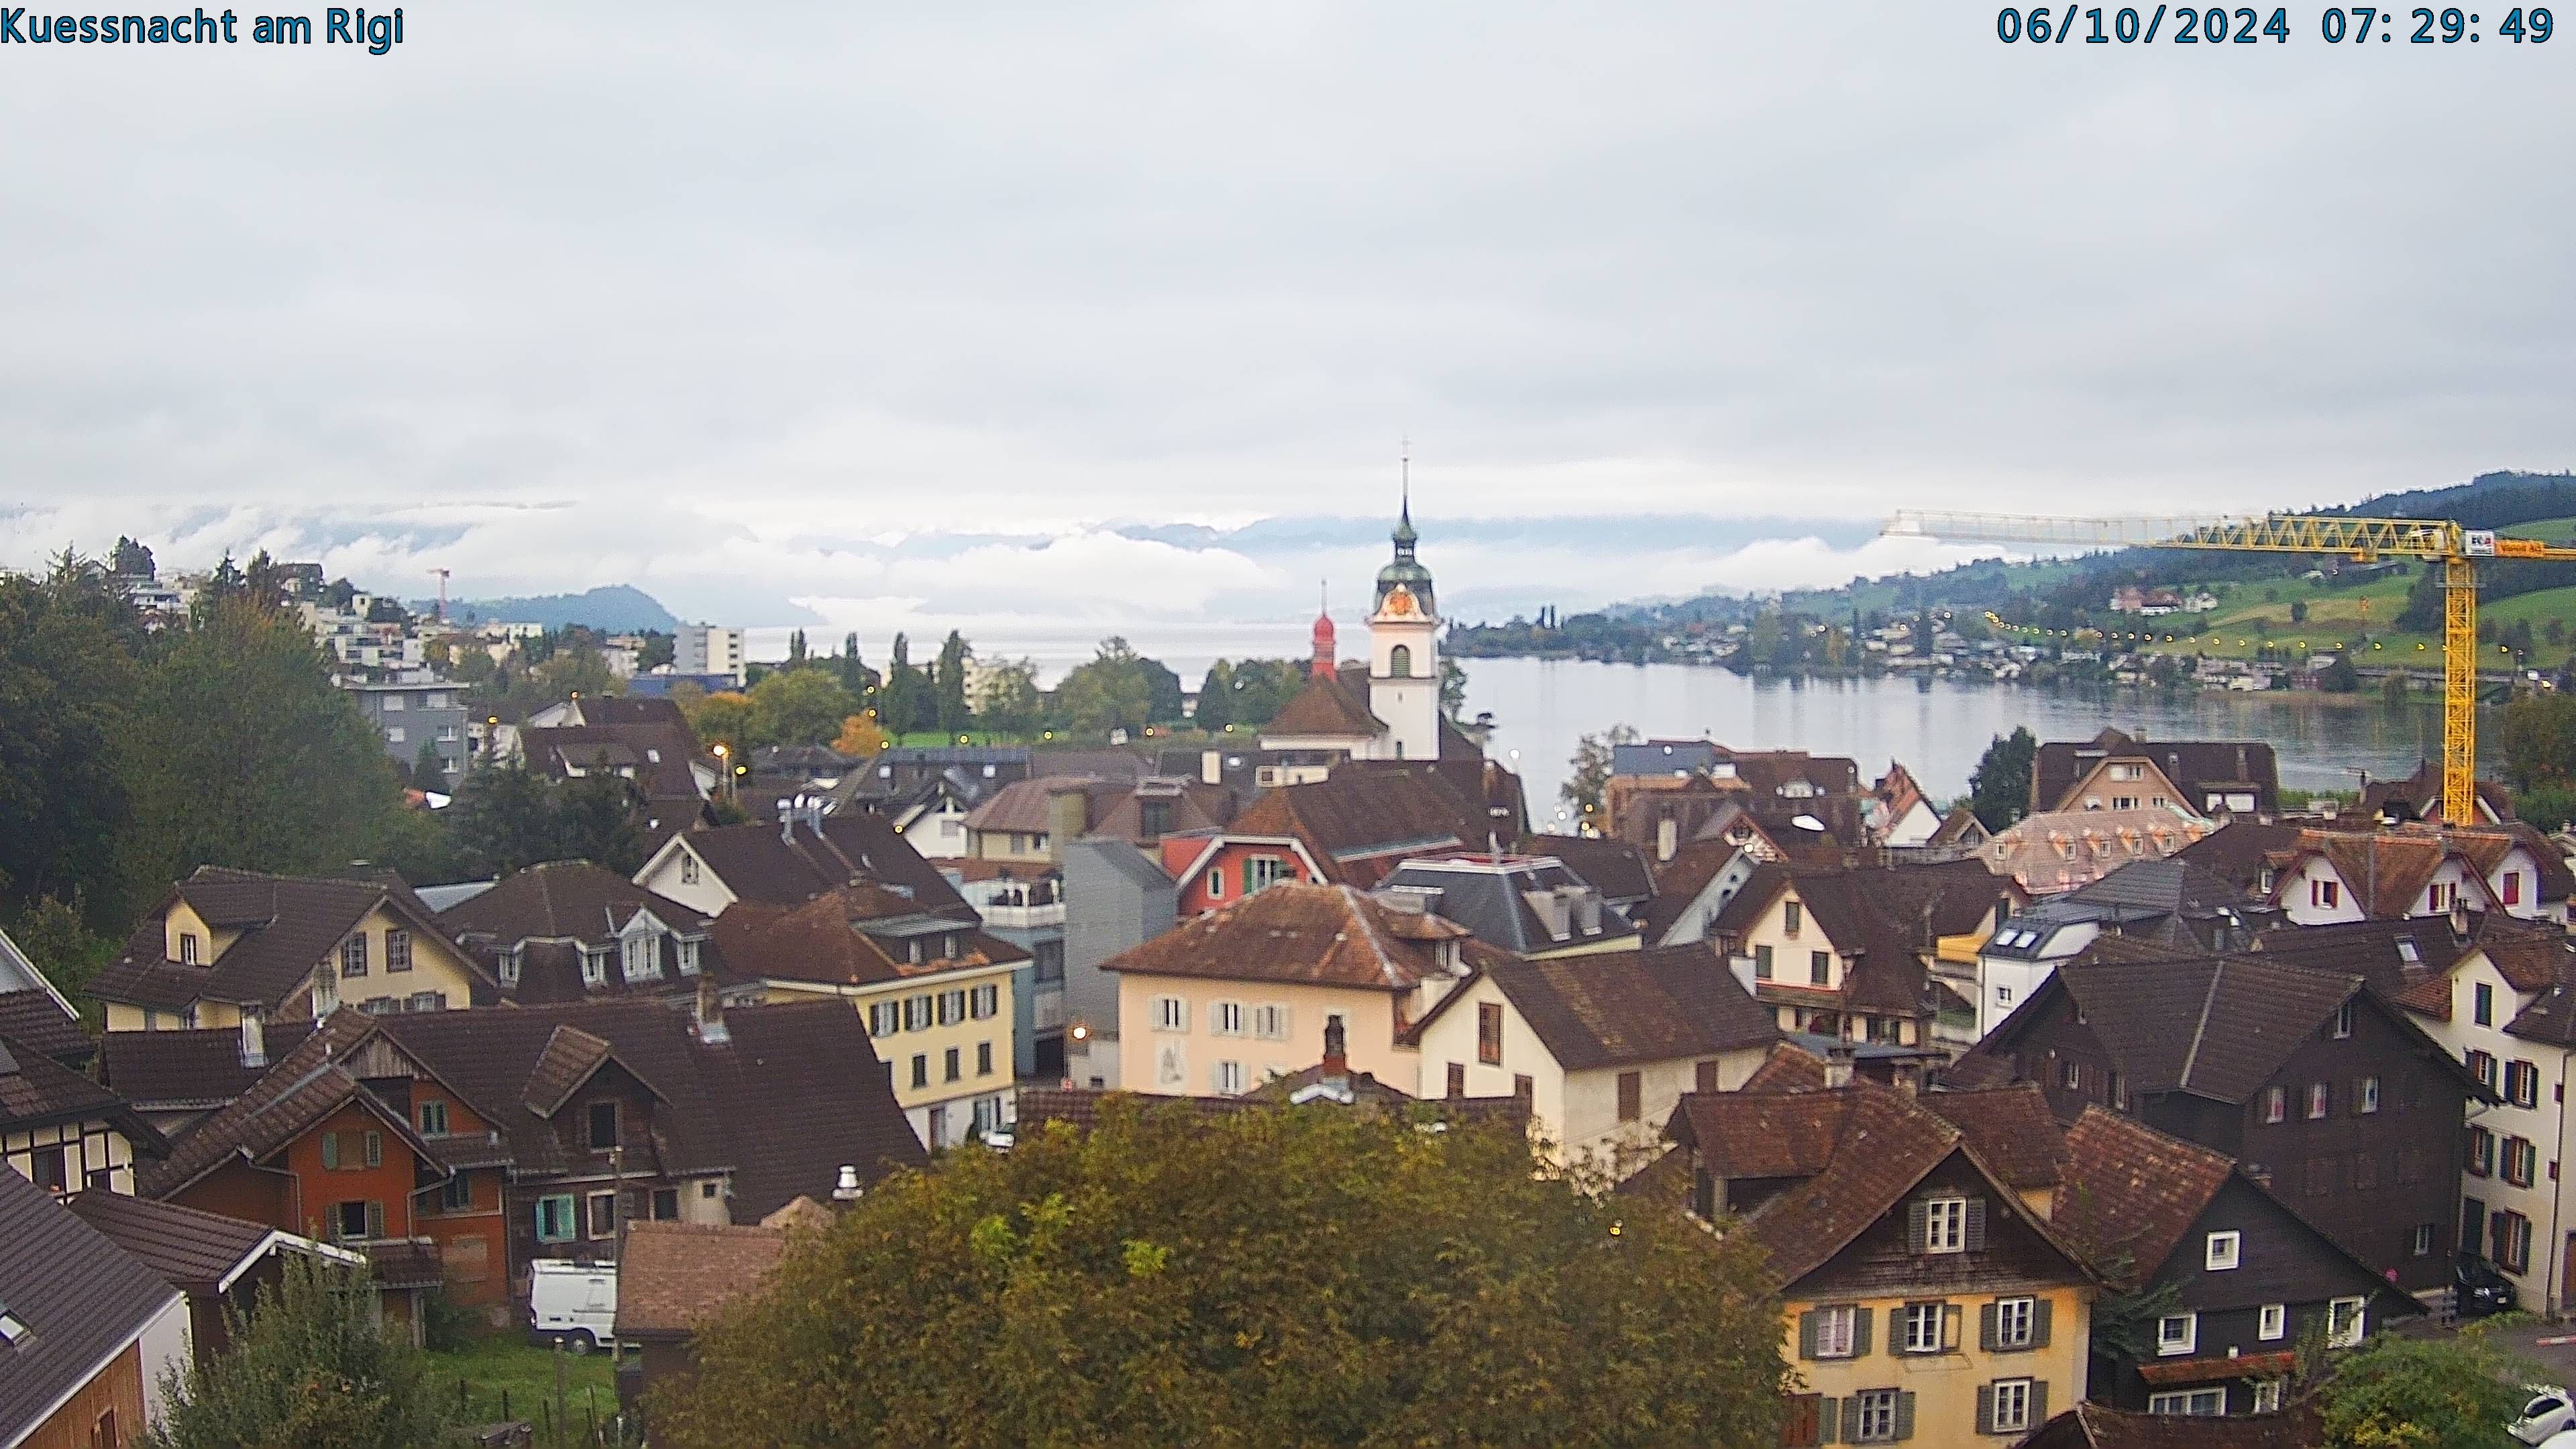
(13,1329)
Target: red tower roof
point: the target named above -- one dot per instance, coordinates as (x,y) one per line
(1322,665)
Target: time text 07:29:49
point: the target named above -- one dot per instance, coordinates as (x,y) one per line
(2220,25)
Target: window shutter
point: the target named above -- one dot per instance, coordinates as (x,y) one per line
(2039,1327)
(1985,1408)
(1807,1334)
(375,1220)
(1895,1328)
(375,1149)
(1828,1420)
(330,1152)
(1862,1318)
(1918,1221)
(1851,1413)
(1986,1335)
(1905,1414)
(2039,1395)
(1976,1236)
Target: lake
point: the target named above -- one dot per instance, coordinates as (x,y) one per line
(1938,728)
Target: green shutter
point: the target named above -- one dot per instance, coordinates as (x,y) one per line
(1807,1334)
(375,1149)
(2039,1326)
(1985,1408)
(1851,1418)
(1986,1328)
(2039,1395)
(1895,1328)
(1862,1318)
(1918,1221)
(1975,1237)
(1905,1414)
(1828,1419)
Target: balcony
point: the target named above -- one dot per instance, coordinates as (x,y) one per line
(1023,918)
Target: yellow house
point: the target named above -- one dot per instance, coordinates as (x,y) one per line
(1601,1047)
(226,945)
(1227,1000)
(934,990)
(1925,1294)
(1824,958)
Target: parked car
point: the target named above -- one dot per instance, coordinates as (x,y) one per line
(2483,1292)
(572,1305)
(2549,1416)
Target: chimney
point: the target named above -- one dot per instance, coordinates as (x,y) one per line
(1211,767)
(1838,1065)
(2459,918)
(1668,835)
(1337,1060)
(710,1014)
(847,1190)
(254,1042)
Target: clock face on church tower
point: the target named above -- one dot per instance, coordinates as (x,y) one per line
(1400,601)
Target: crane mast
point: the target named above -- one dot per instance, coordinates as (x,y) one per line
(2437,541)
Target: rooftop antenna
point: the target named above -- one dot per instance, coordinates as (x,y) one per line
(1405,462)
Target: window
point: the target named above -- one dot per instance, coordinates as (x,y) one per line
(2276,1104)
(2365,1096)
(1877,1416)
(2014,1324)
(1225,1018)
(352,1151)
(983,1059)
(984,1002)
(356,1221)
(1704,1076)
(2220,1253)
(353,955)
(2267,1396)
(1489,1033)
(1456,1080)
(1261,872)
(688,868)
(1270,1022)
(555,1219)
(2522,1083)
(688,950)
(1762,963)
(603,1126)
(511,960)
(2521,1161)
(2422,1246)
(1945,1225)
(1923,1327)
(2482,1065)
(1820,968)
(949,1065)
(1399,662)
(2177,1333)
(639,955)
(2118,1092)
(393,734)
(1171,1013)
(1229,1078)
(594,965)
(603,1214)
(2325,894)
(2320,1098)
(2197,1403)
(456,1195)
(920,1069)
(187,948)
(2513,888)
(1791,917)
(2272,1322)
(707,1190)
(2343,1021)
(1631,1096)
(952,1007)
(885,1018)
(2008,1406)
(1216,884)
(48,1170)
(433,1119)
(916,1013)
(2484,995)
(1830,1332)
(426,1001)
(2481,1151)
(666,1204)
(2071,1075)
(2344,1318)
(2003,996)
(2512,1233)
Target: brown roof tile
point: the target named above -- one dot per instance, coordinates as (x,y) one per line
(197,1251)
(201,1067)
(1789,1068)
(1329,935)
(33,1020)
(2094,1426)
(2010,1127)
(1628,1006)
(673,1277)
(767,864)
(1359,823)
(288,924)
(1324,707)
(2131,1192)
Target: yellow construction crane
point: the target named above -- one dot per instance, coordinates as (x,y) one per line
(2435,540)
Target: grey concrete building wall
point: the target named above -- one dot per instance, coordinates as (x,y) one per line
(1116,898)
(442,727)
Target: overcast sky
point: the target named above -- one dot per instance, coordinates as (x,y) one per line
(851,306)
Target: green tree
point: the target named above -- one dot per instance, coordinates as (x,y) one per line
(502,820)
(719,719)
(2424,1393)
(599,818)
(1216,699)
(245,754)
(1274,1276)
(56,938)
(1999,789)
(68,677)
(903,700)
(2537,738)
(1163,702)
(949,684)
(1109,691)
(1587,779)
(2339,677)
(132,560)
(796,650)
(2298,611)
(1010,701)
(425,771)
(310,1368)
(799,707)
(1453,686)
(856,676)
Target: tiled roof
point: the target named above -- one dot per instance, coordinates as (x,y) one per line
(673,1277)
(33,1020)
(288,924)
(2063,849)
(2196,767)
(201,1067)
(1028,806)
(2239,851)
(1627,1006)
(2166,1372)
(1614,867)
(2386,870)
(569,1057)
(1692,867)
(37,1091)
(304,1087)
(824,941)
(81,1297)
(1846,905)
(2551,1017)
(2394,956)
(563,900)
(2010,1127)
(2131,1192)
(2094,1426)
(1789,1068)
(2419,796)
(1080,1106)
(1357,823)
(1491,897)
(2214,1026)
(199,1252)
(1296,932)
(1324,707)
(765,864)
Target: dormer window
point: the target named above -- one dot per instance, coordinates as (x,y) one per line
(512,960)
(188,948)
(594,965)
(642,960)
(688,953)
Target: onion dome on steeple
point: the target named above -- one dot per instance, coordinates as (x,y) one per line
(1405,569)
(1324,652)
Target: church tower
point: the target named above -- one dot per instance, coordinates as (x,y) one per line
(1404,650)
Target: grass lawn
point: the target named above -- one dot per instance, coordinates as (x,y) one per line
(506,1362)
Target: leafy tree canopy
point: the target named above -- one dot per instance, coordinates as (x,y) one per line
(2424,1393)
(1275,1276)
(1999,788)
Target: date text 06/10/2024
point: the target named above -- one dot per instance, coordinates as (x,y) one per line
(2220,25)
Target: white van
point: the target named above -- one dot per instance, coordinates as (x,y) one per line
(572,1304)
